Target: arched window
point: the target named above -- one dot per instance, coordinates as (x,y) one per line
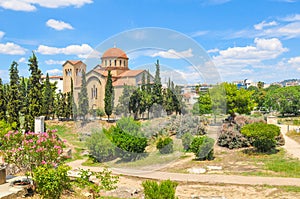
(124,63)
(120,63)
(109,62)
(105,62)
(115,62)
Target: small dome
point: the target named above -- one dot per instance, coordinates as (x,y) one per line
(114,53)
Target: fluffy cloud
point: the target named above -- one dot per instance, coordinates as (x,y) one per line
(11,49)
(30,5)
(58,25)
(263,24)
(295,17)
(82,51)
(173,54)
(213,50)
(54,62)
(54,72)
(264,49)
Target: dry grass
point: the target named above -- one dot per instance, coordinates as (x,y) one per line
(294,135)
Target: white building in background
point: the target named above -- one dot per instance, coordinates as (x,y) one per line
(58,80)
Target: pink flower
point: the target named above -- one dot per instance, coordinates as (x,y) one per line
(44,162)
(59,151)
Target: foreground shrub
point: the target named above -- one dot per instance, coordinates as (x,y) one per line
(100,147)
(230,135)
(165,190)
(165,145)
(263,135)
(106,181)
(51,182)
(203,147)
(187,139)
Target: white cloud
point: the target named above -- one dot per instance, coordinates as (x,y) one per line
(58,25)
(290,30)
(82,51)
(2,34)
(214,50)
(22,60)
(54,72)
(54,62)
(11,49)
(172,54)
(295,17)
(294,61)
(264,49)
(263,24)
(30,5)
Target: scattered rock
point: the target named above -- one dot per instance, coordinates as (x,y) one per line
(197,170)
(271,192)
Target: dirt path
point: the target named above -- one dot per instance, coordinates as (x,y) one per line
(197,178)
(292,147)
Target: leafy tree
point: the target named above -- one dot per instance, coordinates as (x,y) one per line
(134,102)
(34,94)
(124,99)
(83,102)
(203,105)
(2,102)
(13,105)
(48,99)
(129,125)
(203,147)
(260,85)
(263,135)
(69,105)
(109,96)
(170,101)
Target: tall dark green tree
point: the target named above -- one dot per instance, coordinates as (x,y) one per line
(109,96)
(157,92)
(48,99)
(13,105)
(123,106)
(35,88)
(74,106)
(2,102)
(83,101)
(134,103)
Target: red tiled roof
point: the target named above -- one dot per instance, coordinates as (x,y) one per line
(73,62)
(114,53)
(131,73)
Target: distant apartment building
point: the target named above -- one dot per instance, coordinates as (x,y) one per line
(58,80)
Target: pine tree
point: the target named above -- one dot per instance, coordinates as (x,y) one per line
(109,96)
(2,103)
(13,105)
(48,99)
(34,94)
(83,102)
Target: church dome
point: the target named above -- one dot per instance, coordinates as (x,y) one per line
(114,53)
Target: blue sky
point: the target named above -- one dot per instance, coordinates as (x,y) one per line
(257,39)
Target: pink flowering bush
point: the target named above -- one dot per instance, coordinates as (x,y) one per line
(29,150)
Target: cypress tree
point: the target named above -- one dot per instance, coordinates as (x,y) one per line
(2,102)
(83,102)
(157,92)
(34,93)
(48,99)
(74,106)
(109,96)
(13,105)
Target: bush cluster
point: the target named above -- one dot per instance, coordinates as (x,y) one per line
(165,190)
(165,145)
(203,147)
(187,139)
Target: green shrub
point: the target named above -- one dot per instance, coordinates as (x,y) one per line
(263,135)
(100,147)
(203,147)
(165,145)
(50,181)
(130,126)
(129,146)
(187,139)
(165,190)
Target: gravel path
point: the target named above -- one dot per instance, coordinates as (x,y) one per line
(292,147)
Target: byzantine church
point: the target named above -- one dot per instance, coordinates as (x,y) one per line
(113,59)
